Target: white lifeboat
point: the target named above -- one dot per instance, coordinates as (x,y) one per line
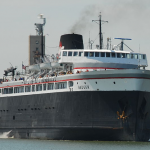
(56,65)
(35,68)
(45,65)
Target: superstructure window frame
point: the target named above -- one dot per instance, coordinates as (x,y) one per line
(118,55)
(70,53)
(97,54)
(33,88)
(75,53)
(28,88)
(128,56)
(50,86)
(91,54)
(102,54)
(38,87)
(108,54)
(64,53)
(44,86)
(123,55)
(80,53)
(132,56)
(136,56)
(113,55)
(86,54)
(144,56)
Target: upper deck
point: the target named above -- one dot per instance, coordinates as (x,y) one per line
(102,58)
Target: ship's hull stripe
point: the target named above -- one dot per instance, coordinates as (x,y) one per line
(96,68)
(78,80)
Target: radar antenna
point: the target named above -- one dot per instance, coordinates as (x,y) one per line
(122,43)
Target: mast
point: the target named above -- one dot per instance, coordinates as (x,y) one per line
(100,30)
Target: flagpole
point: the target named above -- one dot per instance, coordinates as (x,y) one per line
(22,67)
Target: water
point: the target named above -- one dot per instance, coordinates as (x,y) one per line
(20,144)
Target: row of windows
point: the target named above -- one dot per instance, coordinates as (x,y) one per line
(33,88)
(104,54)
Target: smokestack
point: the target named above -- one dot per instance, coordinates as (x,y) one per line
(71,41)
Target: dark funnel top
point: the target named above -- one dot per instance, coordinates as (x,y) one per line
(71,41)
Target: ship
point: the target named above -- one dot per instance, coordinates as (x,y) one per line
(79,94)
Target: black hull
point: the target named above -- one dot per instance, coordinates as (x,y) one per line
(89,115)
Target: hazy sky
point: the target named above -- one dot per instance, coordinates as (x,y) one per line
(127,19)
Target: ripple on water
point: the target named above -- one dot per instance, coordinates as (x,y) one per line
(22,144)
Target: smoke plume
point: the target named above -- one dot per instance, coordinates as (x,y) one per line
(85,18)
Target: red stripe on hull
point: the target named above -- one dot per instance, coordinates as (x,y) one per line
(76,80)
(96,68)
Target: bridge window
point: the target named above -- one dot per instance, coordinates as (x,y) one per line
(96,54)
(107,54)
(80,53)
(128,55)
(144,56)
(91,54)
(102,54)
(113,55)
(136,56)
(132,56)
(75,54)
(140,56)
(118,55)
(86,54)
(123,55)
(69,53)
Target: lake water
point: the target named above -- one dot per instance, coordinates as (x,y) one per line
(21,144)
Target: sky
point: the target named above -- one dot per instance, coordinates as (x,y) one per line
(126,19)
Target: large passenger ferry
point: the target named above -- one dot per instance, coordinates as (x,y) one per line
(81,94)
